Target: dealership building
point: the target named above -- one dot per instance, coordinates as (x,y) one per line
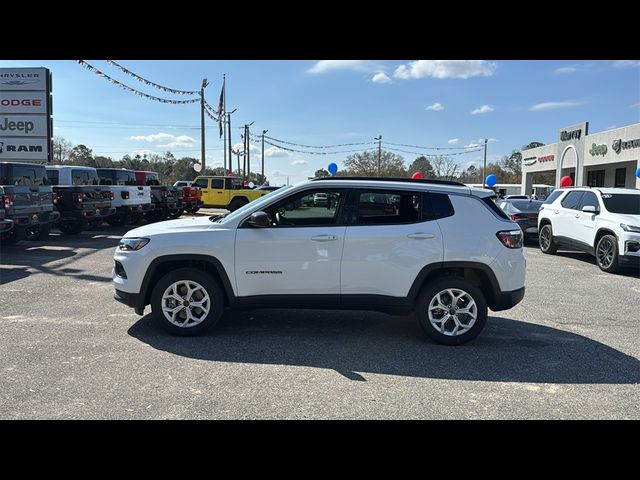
(604,159)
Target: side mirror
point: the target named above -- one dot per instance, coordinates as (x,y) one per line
(590,209)
(259,220)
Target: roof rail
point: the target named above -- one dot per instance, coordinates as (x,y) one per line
(395,179)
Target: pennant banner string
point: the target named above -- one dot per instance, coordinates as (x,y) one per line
(149,82)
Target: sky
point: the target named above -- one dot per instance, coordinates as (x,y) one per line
(429,103)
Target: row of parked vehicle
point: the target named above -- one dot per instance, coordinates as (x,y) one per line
(36,198)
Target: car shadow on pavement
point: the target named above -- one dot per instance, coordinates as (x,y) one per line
(590,259)
(356,343)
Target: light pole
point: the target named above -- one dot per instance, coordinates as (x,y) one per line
(484,165)
(204,84)
(247,139)
(262,172)
(379,140)
(229,135)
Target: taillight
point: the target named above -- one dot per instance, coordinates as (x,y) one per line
(78,197)
(113,195)
(164,194)
(8,201)
(515,217)
(511,238)
(54,198)
(124,195)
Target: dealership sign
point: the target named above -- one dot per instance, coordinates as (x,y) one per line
(26,125)
(565,135)
(598,149)
(619,145)
(546,158)
(24,149)
(23,102)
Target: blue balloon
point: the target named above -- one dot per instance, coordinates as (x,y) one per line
(333,168)
(638,172)
(491,180)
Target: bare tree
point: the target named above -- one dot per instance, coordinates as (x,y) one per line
(445,167)
(366,164)
(61,150)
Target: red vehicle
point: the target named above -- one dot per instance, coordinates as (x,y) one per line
(192,199)
(167,200)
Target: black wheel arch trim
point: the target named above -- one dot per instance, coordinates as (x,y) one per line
(213,261)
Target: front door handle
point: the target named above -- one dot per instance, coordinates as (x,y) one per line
(421,236)
(324,238)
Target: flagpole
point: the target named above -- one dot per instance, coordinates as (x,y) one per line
(221,112)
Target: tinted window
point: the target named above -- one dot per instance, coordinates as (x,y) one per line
(201,182)
(29,175)
(490,203)
(438,205)
(572,200)
(384,208)
(306,210)
(622,203)
(53,177)
(126,177)
(526,206)
(589,199)
(552,196)
(84,177)
(217,183)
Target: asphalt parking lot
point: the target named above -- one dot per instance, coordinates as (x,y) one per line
(571,349)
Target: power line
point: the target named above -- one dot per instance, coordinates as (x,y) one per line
(127,123)
(426,148)
(431,154)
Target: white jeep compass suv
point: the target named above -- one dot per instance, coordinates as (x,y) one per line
(604,222)
(444,251)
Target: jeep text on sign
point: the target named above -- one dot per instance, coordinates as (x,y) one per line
(23,149)
(23,102)
(23,126)
(23,79)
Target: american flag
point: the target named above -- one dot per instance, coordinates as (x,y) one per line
(221,108)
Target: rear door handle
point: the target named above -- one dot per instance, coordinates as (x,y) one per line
(324,238)
(421,236)
(556,212)
(577,215)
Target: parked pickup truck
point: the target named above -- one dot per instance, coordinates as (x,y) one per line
(27,199)
(225,192)
(130,200)
(191,195)
(82,203)
(167,201)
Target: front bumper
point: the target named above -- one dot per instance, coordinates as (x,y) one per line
(507,300)
(133,300)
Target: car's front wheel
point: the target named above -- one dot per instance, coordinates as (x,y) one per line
(187,301)
(607,254)
(451,311)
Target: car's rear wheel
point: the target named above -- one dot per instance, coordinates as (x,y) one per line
(116,220)
(37,232)
(451,311)
(71,228)
(176,214)
(10,237)
(187,301)
(545,240)
(193,210)
(607,254)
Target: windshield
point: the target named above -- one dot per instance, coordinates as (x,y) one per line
(525,205)
(625,203)
(256,203)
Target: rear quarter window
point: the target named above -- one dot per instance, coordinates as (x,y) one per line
(437,205)
(494,208)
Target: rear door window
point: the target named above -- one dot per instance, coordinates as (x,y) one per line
(572,200)
(380,207)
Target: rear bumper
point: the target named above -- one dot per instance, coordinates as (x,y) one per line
(6,225)
(133,300)
(35,219)
(86,214)
(145,207)
(507,300)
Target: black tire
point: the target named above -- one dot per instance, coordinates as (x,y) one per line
(94,224)
(10,237)
(71,228)
(429,292)
(212,287)
(546,233)
(607,254)
(177,213)
(154,216)
(236,203)
(38,232)
(116,220)
(193,210)
(134,219)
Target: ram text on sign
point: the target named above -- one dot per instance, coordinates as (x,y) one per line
(23,149)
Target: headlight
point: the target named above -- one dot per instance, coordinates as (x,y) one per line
(130,244)
(629,228)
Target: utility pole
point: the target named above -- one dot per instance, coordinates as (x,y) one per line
(484,165)
(237,153)
(379,140)
(229,135)
(262,171)
(202,160)
(248,139)
(245,146)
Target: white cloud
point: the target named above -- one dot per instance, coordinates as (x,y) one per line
(472,145)
(563,70)
(274,152)
(172,141)
(481,140)
(453,141)
(436,107)
(634,105)
(626,63)
(299,162)
(278,173)
(445,69)
(381,77)
(482,109)
(553,105)
(324,66)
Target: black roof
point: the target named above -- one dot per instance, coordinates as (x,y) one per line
(395,179)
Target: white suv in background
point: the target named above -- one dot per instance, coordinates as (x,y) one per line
(445,252)
(604,222)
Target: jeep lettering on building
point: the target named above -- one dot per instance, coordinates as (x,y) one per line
(598,150)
